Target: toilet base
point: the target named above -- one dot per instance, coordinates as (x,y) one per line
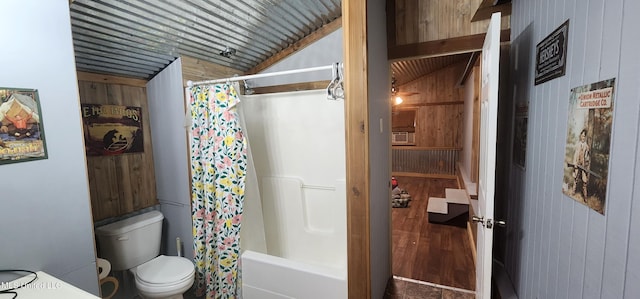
(179,296)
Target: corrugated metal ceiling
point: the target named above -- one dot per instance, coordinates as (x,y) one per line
(138,38)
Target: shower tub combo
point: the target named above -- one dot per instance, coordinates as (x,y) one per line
(294,224)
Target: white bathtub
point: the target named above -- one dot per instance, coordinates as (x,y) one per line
(271,277)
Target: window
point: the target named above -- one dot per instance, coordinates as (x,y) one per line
(403,120)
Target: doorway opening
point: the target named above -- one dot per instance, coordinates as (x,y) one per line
(433,136)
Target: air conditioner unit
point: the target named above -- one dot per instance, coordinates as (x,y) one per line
(402,138)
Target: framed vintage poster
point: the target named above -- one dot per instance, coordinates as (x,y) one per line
(112,129)
(586,158)
(21,126)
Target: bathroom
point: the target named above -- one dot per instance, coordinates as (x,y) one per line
(66,248)
(294,215)
(307,171)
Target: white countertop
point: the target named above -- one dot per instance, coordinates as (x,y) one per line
(46,286)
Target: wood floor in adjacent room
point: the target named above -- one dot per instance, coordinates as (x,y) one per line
(434,253)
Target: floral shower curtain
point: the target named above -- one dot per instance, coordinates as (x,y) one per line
(218,165)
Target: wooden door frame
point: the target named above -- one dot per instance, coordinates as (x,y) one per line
(354,14)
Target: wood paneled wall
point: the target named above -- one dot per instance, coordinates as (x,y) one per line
(125,183)
(440,105)
(419,21)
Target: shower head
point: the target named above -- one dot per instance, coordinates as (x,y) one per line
(228,52)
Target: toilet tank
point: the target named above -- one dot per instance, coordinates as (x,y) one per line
(132,241)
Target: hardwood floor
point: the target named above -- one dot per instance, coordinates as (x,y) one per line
(435,253)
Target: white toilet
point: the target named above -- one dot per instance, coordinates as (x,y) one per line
(134,244)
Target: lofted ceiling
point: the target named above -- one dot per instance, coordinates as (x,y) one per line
(138,38)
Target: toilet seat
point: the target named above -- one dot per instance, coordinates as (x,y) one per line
(165,274)
(165,270)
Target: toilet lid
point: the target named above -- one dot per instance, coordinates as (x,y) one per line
(165,270)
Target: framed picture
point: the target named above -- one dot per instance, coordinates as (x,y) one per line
(21,126)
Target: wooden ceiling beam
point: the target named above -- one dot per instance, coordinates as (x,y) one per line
(110,79)
(488,7)
(297,46)
(456,45)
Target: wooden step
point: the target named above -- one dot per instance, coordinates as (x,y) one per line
(451,210)
(437,205)
(458,196)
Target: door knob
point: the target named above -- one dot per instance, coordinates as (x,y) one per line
(488,223)
(478,219)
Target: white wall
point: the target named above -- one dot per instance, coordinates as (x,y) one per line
(170,152)
(45,219)
(556,247)
(379,147)
(325,51)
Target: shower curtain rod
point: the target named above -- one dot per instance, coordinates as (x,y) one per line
(263,75)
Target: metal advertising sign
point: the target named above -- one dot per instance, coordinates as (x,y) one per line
(112,130)
(551,55)
(586,159)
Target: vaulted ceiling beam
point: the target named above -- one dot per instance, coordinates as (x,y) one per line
(456,45)
(488,7)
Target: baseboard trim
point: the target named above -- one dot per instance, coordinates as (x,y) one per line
(424,175)
(434,285)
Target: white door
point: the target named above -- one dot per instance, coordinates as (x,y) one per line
(486,178)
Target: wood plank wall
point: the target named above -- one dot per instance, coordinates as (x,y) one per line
(126,183)
(440,107)
(419,21)
(475,139)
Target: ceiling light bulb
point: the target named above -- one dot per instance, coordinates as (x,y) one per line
(398,101)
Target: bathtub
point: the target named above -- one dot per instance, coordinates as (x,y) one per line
(271,277)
